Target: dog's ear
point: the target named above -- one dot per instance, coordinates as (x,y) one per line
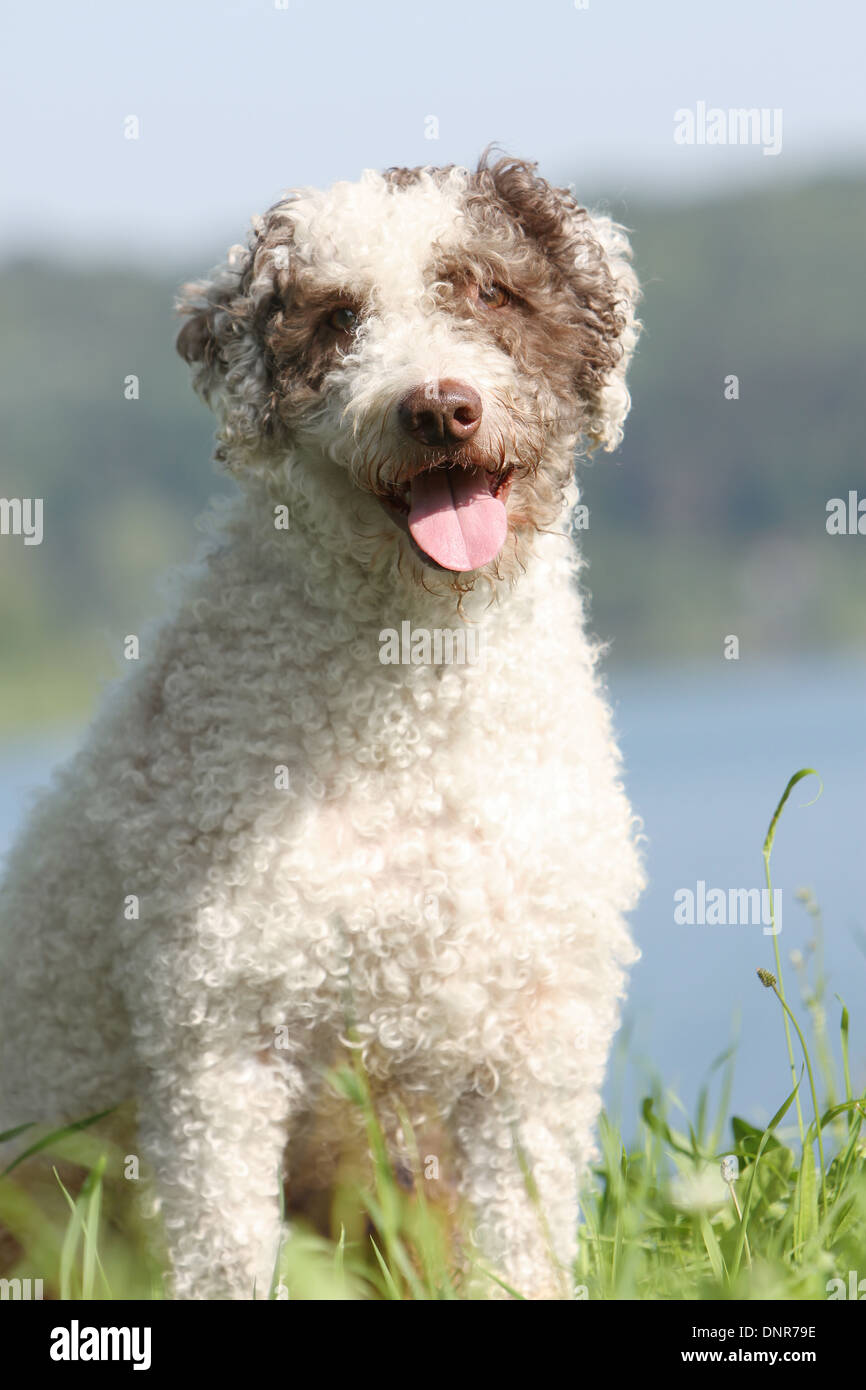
(614,400)
(214,312)
(221,339)
(611,406)
(196,341)
(593,254)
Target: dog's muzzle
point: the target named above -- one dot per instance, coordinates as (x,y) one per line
(456,508)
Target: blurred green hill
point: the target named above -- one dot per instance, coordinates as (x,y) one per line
(709,521)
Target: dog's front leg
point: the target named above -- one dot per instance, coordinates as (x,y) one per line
(519,1175)
(213,1128)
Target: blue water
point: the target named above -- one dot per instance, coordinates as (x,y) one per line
(708,754)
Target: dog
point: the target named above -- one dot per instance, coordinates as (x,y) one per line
(302,829)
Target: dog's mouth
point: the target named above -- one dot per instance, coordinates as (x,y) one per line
(455,513)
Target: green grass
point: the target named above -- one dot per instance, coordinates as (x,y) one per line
(667,1217)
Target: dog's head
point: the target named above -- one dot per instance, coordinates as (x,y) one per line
(443,337)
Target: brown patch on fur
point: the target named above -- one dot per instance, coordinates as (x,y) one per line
(565,320)
(567,315)
(301,346)
(288,327)
(397,177)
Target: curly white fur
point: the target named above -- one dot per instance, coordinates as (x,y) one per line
(444,871)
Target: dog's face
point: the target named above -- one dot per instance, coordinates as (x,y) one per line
(443,337)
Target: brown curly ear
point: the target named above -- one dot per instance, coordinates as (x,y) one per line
(531,200)
(221,341)
(208,308)
(593,253)
(196,341)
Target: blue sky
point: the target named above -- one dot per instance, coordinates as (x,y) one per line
(239,99)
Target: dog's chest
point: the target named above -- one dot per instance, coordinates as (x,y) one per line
(427,841)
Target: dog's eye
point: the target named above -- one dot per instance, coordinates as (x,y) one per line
(493,295)
(343,319)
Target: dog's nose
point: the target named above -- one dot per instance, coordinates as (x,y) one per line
(441,412)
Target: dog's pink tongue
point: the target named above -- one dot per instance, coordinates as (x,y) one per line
(455,519)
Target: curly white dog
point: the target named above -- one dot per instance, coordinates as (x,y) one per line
(340,827)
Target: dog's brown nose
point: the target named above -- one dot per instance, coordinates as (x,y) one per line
(441,412)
